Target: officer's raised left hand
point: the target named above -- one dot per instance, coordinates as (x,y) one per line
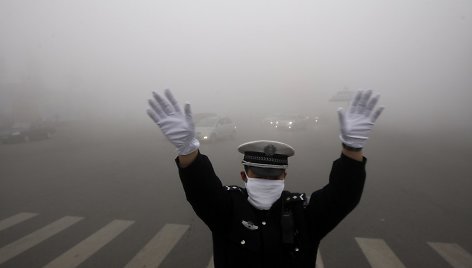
(357,122)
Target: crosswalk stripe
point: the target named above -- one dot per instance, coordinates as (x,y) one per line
(378,253)
(211,264)
(454,254)
(11,250)
(79,253)
(15,219)
(319,260)
(154,252)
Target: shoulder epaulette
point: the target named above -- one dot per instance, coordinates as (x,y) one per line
(233,188)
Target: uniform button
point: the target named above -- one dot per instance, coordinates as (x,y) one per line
(263,223)
(243,242)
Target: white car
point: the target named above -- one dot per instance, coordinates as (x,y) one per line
(213,128)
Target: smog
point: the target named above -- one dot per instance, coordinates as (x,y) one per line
(77,75)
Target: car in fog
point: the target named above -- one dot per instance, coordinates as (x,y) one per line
(213,128)
(290,121)
(24,132)
(14,134)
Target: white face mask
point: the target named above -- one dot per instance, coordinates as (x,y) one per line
(262,193)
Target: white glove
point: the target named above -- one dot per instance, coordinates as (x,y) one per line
(359,120)
(178,127)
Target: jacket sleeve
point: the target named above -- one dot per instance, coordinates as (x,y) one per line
(329,205)
(204,191)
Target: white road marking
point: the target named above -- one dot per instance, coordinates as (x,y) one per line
(11,250)
(211,264)
(155,251)
(87,247)
(454,254)
(15,219)
(319,260)
(378,253)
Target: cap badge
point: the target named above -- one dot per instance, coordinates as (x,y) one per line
(270,150)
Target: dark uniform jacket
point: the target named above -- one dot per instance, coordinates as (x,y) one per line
(244,236)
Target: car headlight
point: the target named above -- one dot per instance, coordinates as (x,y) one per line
(205,137)
(290,122)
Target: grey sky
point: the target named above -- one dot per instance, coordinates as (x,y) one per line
(103,58)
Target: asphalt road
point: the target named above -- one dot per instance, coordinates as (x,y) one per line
(418,191)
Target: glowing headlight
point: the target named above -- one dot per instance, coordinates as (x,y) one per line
(290,122)
(205,137)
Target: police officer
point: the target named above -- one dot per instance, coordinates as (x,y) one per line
(262,225)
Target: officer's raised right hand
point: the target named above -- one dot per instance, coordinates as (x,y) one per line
(176,125)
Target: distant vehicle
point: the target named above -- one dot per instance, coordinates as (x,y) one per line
(14,134)
(24,132)
(290,122)
(213,128)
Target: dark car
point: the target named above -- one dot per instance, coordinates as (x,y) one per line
(15,134)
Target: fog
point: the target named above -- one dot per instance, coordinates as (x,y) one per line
(99,60)
(92,65)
